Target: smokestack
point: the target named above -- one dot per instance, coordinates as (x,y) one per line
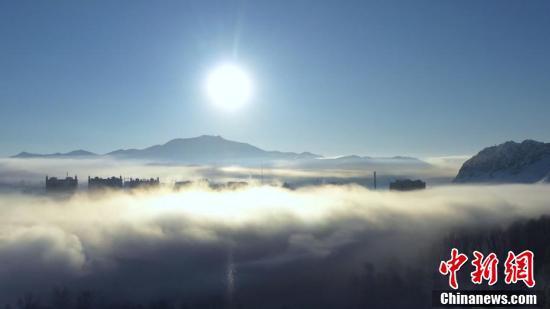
(262,173)
(374,180)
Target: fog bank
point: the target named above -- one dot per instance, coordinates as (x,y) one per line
(199,243)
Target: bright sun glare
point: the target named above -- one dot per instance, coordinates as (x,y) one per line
(228,86)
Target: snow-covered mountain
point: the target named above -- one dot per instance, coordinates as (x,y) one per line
(510,162)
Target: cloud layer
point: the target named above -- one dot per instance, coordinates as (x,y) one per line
(255,243)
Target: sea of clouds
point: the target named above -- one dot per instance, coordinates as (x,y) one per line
(257,244)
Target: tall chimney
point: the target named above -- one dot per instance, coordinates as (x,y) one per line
(374,180)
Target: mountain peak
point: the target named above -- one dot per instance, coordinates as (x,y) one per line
(525,162)
(206,136)
(212,138)
(23,154)
(80,152)
(206,149)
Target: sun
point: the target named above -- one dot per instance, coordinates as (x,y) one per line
(228,86)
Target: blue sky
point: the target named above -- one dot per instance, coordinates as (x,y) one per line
(332,77)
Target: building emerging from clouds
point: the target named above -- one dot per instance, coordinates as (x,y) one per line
(407,185)
(141,183)
(104,183)
(70,184)
(54,184)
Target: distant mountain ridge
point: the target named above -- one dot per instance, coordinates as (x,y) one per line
(202,148)
(207,149)
(510,162)
(72,154)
